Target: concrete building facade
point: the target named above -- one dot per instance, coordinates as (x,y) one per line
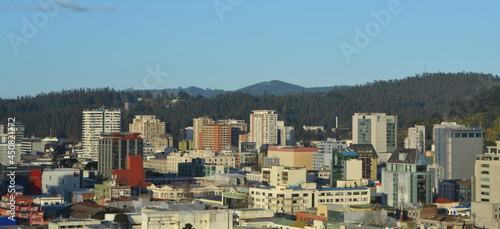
(285,134)
(293,156)
(369,158)
(455,147)
(486,180)
(238,127)
(215,137)
(377,129)
(406,179)
(94,123)
(415,138)
(198,123)
(291,200)
(60,180)
(263,128)
(283,175)
(150,129)
(114,148)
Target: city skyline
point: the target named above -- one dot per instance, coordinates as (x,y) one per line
(232,44)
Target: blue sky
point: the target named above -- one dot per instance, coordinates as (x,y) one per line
(236,43)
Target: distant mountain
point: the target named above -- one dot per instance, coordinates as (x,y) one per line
(273,87)
(194,91)
(276,87)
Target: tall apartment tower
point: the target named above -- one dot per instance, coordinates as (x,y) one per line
(94,123)
(149,126)
(263,127)
(416,138)
(455,147)
(197,125)
(114,148)
(215,136)
(377,129)
(238,127)
(285,134)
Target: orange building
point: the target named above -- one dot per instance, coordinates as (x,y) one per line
(309,218)
(215,137)
(24,209)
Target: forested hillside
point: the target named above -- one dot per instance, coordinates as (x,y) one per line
(412,99)
(482,110)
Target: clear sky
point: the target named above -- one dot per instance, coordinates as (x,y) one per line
(230,44)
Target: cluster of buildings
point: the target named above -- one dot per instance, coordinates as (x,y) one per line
(233,174)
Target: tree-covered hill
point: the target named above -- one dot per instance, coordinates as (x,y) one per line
(412,98)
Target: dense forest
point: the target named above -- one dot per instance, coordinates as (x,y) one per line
(414,99)
(481,110)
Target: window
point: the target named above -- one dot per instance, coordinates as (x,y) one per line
(305,195)
(478,135)
(485,179)
(485,165)
(464,135)
(471,135)
(485,193)
(485,186)
(485,172)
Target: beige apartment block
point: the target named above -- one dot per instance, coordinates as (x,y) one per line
(288,200)
(294,156)
(487,181)
(284,175)
(158,165)
(177,193)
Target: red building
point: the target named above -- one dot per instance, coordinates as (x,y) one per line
(35,181)
(24,209)
(134,174)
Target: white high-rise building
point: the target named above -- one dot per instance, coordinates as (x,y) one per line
(377,129)
(94,122)
(198,123)
(263,127)
(416,138)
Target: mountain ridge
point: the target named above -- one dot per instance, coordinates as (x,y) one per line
(272,87)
